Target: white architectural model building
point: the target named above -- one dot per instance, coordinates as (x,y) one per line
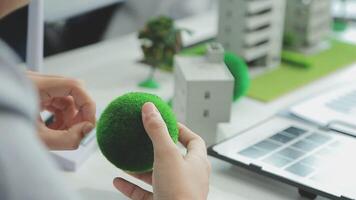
(307,23)
(203,92)
(253,29)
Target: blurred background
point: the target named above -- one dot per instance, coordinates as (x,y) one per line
(86,22)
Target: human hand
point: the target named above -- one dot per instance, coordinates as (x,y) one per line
(174,176)
(72,107)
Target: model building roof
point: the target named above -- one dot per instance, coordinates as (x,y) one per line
(200,69)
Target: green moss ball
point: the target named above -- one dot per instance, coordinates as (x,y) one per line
(121,135)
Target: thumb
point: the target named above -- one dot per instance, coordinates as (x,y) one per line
(156,128)
(81,129)
(66,139)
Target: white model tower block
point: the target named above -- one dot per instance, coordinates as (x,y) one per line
(253,29)
(203,92)
(308,23)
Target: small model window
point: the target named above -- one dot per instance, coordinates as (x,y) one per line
(206,113)
(261,12)
(259,28)
(229,13)
(261,43)
(258,61)
(300,29)
(207,95)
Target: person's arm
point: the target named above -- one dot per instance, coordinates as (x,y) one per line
(26,170)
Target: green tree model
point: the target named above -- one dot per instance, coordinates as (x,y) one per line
(160,41)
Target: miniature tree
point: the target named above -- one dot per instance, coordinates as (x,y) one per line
(160,41)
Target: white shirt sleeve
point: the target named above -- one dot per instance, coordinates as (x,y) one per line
(26,170)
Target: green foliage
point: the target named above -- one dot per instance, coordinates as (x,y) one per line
(149,83)
(121,135)
(196,50)
(236,65)
(339,25)
(161,40)
(239,71)
(296,59)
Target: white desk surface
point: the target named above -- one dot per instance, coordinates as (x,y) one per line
(110,69)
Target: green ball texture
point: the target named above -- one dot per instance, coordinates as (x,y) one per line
(121,135)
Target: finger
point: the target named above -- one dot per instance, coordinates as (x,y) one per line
(58,119)
(193,142)
(156,128)
(69,115)
(84,104)
(62,103)
(62,87)
(66,139)
(69,112)
(32,73)
(132,191)
(45,103)
(62,119)
(145,177)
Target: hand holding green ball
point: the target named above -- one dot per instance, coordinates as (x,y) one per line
(125,131)
(122,137)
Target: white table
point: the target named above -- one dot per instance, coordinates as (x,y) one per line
(110,69)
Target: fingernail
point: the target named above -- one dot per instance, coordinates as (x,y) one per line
(116,179)
(149,108)
(88,128)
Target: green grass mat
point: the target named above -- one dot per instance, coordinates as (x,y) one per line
(288,77)
(195,50)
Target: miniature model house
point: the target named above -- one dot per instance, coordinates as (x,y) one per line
(307,23)
(253,29)
(203,91)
